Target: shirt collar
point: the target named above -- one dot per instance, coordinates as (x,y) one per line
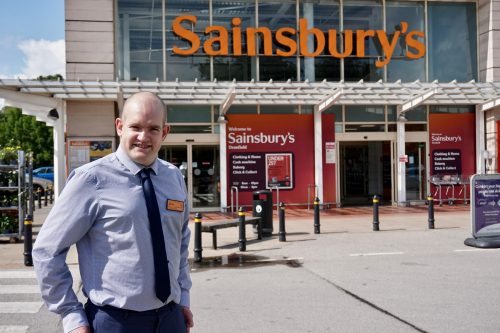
(134,167)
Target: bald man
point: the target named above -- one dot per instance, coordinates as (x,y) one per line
(133,256)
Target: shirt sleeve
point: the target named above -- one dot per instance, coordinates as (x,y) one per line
(184,276)
(69,220)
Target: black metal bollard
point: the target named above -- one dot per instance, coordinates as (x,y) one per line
(28,240)
(51,195)
(45,194)
(375,213)
(430,202)
(282,232)
(39,197)
(316,216)
(197,238)
(242,241)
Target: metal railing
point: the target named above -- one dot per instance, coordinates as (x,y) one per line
(234,190)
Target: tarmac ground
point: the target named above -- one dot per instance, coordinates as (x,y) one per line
(348,278)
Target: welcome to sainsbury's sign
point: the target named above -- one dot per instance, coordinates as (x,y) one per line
(218,42)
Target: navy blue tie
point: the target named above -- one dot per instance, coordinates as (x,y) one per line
(162,278)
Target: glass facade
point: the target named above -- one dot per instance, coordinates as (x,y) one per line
(369,39)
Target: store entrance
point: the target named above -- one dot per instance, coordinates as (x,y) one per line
(365,170)
(416,178)
(199,164)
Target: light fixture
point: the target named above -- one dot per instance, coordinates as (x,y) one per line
(402,118)
(53,114)
(222,119)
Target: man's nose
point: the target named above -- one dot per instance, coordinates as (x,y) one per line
(142,135)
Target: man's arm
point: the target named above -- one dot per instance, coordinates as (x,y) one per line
(184,276)
(68,221)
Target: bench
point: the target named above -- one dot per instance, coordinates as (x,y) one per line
(212,227)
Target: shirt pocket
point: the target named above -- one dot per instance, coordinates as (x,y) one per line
(172,221)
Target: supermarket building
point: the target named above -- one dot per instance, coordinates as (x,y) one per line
(336,99)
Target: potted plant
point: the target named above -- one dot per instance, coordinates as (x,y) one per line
(8,224)
(10,155)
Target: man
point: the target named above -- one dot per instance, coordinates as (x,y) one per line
(108,210)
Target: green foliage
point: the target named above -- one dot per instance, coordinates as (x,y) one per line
(55,77)
(18,131)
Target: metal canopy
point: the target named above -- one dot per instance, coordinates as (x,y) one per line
(263,93)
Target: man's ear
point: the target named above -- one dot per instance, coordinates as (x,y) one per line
(165,131)
(119,126)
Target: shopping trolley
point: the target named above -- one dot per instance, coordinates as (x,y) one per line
(463,181)
(447,181)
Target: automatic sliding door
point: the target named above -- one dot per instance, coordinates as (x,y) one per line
(205,173)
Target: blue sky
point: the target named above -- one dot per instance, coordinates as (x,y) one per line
(31,38)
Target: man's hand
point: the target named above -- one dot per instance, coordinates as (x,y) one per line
(81,329)
(188,317)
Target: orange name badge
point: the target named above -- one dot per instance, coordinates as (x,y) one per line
(175,205)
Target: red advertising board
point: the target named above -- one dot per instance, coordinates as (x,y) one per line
(269,151)
(452,149)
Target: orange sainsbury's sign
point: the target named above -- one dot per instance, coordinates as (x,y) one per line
(218,43)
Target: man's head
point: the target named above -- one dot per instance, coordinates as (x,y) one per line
(142,127)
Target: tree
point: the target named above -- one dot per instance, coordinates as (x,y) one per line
(18,130)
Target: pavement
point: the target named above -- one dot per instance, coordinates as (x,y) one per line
(349,278)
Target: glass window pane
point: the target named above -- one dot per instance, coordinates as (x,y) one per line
(188,114)
(406,69)
(326,67)
(452,41)
(243,109)
(237,67)
(391,113)
(418,113)
(229,68)
(187,68)
(177,129)
(276,14)
(411,12)
(355,113)
(279,109)
(139,46)
(364,15)
(365,128)
(451,109)
(337,111)
(356,69)
(278,68)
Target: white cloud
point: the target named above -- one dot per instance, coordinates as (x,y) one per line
(43,57)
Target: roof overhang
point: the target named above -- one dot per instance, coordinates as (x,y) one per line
(262,93)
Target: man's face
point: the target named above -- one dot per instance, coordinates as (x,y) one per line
(142,130)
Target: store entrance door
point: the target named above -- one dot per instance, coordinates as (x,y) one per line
(416,178)
(365,170)
(199,164)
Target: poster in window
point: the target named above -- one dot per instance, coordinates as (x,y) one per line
(279,171)
(82,151)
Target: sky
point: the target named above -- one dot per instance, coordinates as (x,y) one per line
(31,38)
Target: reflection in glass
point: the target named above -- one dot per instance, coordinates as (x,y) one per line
(279,109)
(206,176)
(187,68)
(278,68)
(364,128)
(229,68)
(139,46)
(364,15)
(356,69)
(189,114)
(362,113)
(452,41)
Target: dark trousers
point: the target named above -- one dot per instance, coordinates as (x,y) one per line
(108,319)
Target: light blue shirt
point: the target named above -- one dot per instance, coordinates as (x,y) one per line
(102,209)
